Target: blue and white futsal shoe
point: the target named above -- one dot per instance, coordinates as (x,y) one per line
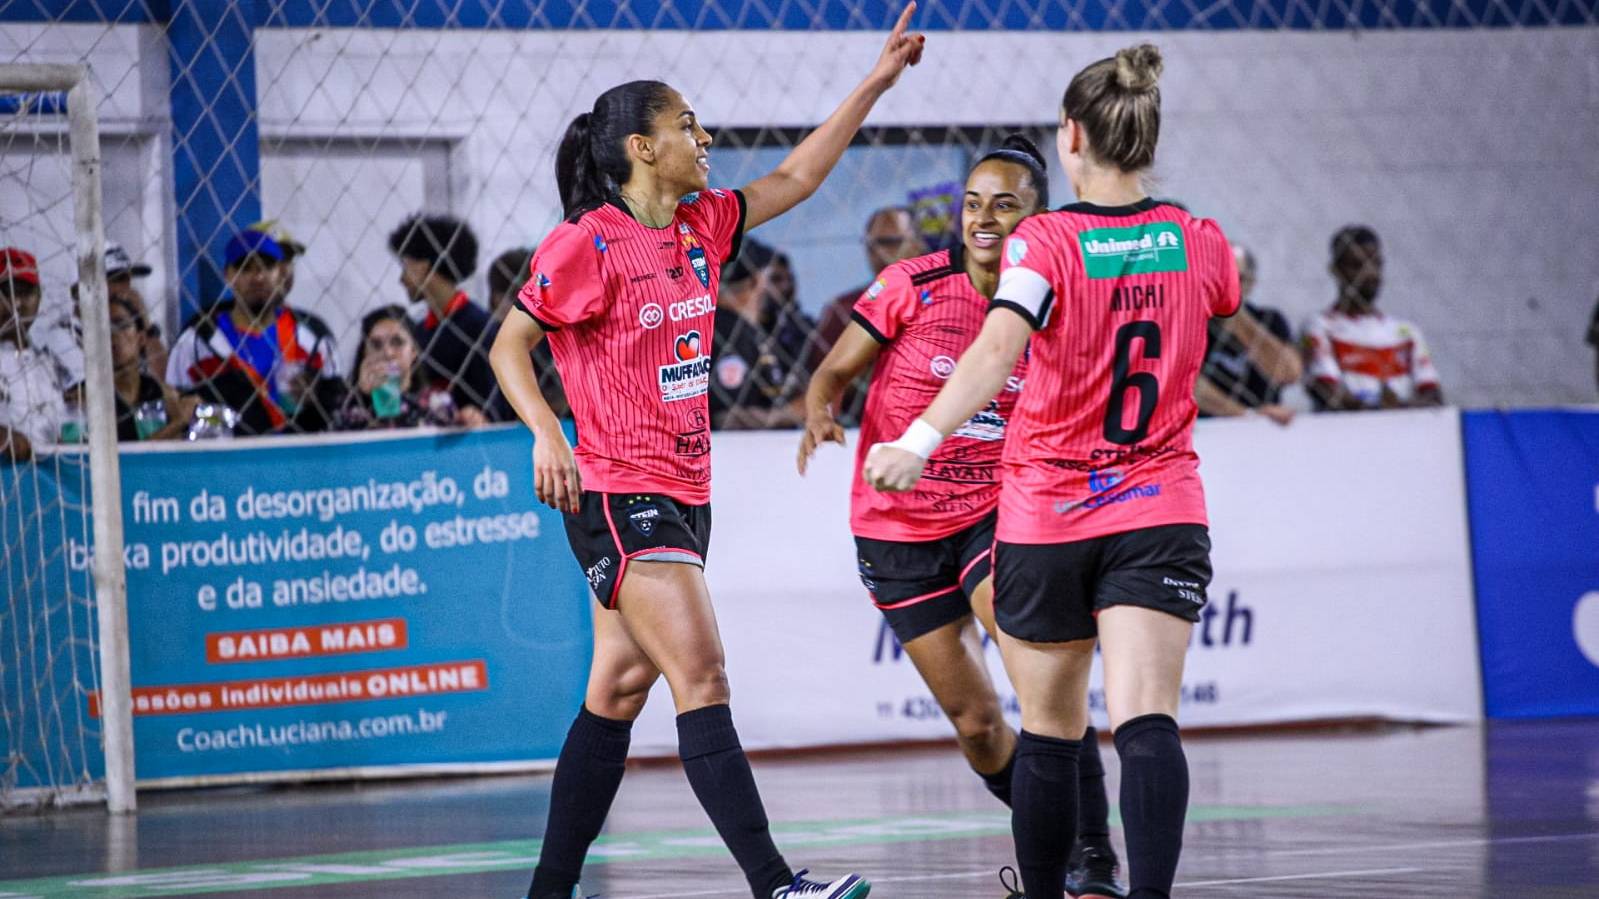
(850,886)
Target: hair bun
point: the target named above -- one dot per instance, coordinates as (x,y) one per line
(1138,68)
(1022,144)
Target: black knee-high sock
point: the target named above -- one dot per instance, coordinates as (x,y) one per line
(1044,811)
(586,777)
(1154,802)
(998,783)
(1093,806)
(720,774)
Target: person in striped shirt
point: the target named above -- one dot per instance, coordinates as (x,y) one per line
(924,556)
(626,291)
(1102,527)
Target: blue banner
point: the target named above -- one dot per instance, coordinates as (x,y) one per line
(1532,482)
(298,606)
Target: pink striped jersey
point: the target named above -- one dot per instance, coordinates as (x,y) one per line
(630,312)
(926,312)
(1120,299)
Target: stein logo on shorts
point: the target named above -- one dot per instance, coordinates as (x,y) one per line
(643,516)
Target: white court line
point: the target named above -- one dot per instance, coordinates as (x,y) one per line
(1439,844)
(1340,850)
(1369,872)
(994,872)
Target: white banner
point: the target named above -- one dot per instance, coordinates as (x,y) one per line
(1342,588)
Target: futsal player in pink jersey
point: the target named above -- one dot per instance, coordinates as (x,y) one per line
(924,555)
(1102,527)
(625,290)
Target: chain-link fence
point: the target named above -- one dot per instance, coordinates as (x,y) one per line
(275,171)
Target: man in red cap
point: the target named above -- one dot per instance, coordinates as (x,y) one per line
(32,409)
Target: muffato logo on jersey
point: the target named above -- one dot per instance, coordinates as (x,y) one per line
(688,375)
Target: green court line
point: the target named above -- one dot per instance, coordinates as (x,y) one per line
(507,855)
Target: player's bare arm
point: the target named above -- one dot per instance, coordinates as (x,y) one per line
(802,172)
(555,477)
(854,353)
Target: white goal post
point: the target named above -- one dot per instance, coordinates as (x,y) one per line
(110,576)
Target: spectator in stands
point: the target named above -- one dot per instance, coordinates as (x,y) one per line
(276,366)
(792,330)
(1357,357)
(1249,357)
(437,254)
(750,385)
(389,390)
(891,235)
(507,274)
(63,335)
(32,409)
(292,251)
(147,409)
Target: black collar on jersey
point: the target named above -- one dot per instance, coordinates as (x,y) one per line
(1143,205)
(957,266)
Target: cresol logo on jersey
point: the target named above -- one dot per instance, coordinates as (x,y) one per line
(1139,250)
(689,374)
(653,315)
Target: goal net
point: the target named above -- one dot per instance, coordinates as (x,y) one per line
(65,735)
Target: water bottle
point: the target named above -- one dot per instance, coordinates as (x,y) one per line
(441,408)
(388,397)
(213,421)
(149,418)
(287,378)
(74,425)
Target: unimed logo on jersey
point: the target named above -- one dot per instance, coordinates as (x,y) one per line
(689,373)
(1139,250)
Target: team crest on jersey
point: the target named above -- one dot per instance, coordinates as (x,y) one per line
(927,298)
(688,375)
(696,255)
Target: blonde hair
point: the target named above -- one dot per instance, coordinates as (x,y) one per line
(1117,102)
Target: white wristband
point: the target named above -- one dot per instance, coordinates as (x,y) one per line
(920,438)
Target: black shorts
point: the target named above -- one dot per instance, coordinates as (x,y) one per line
(1050,592)
(613,529)
(922,586)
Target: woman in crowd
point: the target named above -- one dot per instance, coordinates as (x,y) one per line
(147,409)
(388,391)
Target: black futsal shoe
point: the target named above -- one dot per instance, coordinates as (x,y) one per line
(1093,874)
(1011,882)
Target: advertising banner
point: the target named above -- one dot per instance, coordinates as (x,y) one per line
(1533,482)
(1342,589)
(341,605)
